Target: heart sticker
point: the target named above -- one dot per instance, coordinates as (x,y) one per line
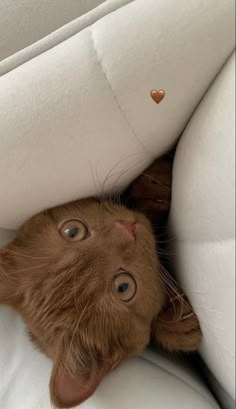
(157,96)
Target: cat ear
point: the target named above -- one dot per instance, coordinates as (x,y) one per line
(68,390)
(177,328)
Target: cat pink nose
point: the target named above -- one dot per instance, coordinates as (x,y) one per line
(128,227)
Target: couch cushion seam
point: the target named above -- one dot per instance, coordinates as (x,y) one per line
(122,111)
(58,42)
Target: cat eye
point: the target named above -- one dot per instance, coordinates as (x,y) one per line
(74,230)
(124,287)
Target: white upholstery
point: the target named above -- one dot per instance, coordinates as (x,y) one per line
(24,22)
(142,383)
(203,221)
(75,109)
(84,107)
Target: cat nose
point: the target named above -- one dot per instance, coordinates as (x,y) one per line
(129,227)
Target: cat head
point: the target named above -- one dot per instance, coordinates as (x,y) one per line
(85,277)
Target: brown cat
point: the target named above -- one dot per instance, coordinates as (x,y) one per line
(87,280)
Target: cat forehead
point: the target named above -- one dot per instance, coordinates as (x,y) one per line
(93,209)
(87,207)
(80,208)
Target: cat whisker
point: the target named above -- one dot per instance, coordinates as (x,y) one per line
(111,174)
(146,175)
(17,253)
(172,287)
(101,186)
(165,241)
(166,253)
(86,308)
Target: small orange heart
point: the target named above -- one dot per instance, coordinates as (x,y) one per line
(157,96)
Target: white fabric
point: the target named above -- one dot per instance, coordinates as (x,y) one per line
(75,108)
(82,110)
(203,222)
(26,21)
(55,37)
(140,383)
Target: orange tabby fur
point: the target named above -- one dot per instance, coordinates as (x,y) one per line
(63,292)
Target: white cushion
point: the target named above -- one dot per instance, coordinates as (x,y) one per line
(24,22)
(75,109)
(78,111)
(143,382)
(203,222)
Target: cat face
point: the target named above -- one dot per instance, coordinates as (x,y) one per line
(85,278)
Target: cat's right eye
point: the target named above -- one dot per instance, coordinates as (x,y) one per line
(124,286)
(73,230)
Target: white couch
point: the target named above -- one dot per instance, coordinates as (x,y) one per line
(75,79)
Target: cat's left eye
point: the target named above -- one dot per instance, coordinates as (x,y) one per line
(74,230)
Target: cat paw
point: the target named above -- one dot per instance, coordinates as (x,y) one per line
(177,328)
